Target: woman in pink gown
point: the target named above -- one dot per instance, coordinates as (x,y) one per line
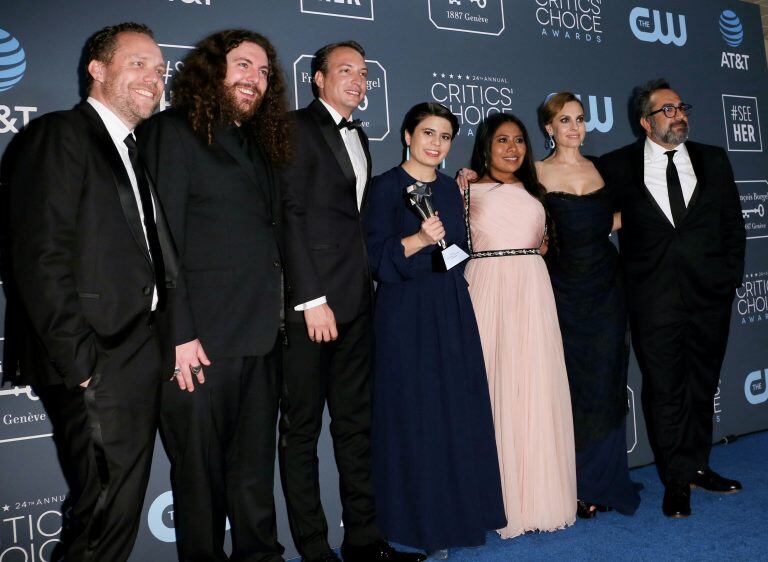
(515,308)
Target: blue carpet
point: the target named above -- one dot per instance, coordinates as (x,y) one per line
(722,527)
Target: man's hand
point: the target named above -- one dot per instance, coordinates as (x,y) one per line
(321,323)
(190,359)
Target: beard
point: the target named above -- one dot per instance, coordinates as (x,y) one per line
(124,105)
(240,110)
(671,136)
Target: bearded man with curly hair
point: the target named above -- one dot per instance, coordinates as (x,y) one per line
(213,157)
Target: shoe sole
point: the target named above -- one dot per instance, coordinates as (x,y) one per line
(677,515)
(715,491)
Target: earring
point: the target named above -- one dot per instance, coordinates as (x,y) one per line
(407,151)
(441,166)
(551,143)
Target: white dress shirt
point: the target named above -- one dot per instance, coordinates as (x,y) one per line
(655,175)
(356,153)
(117,132)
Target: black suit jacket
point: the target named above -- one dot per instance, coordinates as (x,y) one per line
(702,260)
(79,258)
(223,208)
(325,249)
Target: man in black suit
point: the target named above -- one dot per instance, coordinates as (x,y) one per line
(682,243)
(212,156)
(329,323)
(90,254)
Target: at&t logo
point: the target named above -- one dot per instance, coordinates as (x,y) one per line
(355,9)
(733,35)
(648,27)
(199,2)
(755,387)
(12,61)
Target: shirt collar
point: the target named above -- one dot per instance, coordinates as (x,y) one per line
(337,117)
(653,152)
(115,127)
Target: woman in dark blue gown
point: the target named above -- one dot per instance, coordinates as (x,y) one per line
(586,279)
(435,467)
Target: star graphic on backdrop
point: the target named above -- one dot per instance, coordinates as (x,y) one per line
(459,76)
(442,75)
(451,75)
(434,74)
(6,507)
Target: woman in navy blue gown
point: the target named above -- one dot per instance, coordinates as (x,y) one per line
(435,467)
(586,280)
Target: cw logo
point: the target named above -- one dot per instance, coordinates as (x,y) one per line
(755,387)
(648,29)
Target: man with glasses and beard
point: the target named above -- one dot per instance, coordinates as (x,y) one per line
(682,242)
(213,157)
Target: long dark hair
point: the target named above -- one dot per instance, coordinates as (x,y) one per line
(197,92)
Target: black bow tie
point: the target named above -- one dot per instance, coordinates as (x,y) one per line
(347,124)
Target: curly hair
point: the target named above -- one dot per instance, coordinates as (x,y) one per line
(197,92)
(102,45)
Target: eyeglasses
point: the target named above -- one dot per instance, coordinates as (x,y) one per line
(671,110)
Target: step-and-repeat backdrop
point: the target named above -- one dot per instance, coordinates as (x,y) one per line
(477,57)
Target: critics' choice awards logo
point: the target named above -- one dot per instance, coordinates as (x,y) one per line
(752,299)
(355,9)
(578,20)
(22,416)
(468,16)
(755,387)
(174,56)
(651,26)
(754,207)
(733,35)
(13,64)
(30,528)
(742,123)
(374,109)
(471,97)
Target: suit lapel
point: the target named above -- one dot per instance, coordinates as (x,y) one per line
(229,143)
(119,175)
(638,169)
(333,139)
(366,149)
(698,169)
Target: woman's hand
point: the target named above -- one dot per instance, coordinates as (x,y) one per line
(430,233)
(465,176)
(616,222)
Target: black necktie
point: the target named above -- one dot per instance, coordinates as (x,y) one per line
(675,190)
(347,124)
(153,240)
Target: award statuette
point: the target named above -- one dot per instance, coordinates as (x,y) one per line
(420,197)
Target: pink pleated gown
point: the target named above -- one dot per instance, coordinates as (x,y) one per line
(523,350)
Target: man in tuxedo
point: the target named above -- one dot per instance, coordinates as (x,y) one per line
(93,263)
(213,157)
(329,322)
(682,243)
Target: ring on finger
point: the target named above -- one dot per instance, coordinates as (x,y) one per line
(195,369)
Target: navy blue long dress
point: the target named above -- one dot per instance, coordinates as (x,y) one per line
(435,469)
(589,294)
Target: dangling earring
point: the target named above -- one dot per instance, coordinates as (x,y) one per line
(582,143)
(407,151)
(551,143)
(441,166)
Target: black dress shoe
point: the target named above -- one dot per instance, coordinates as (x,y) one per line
(585,510)
(330,557)
(711,481)
(677,500)
(378,551)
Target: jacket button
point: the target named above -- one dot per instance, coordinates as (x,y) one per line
(276,263)
(146,291)
(274,223)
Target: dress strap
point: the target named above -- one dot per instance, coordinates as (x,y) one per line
(493,253)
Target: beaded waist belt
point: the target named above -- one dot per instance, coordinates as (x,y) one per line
(494,253)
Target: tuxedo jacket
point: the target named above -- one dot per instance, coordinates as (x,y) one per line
(699,263)
(223,208)
(80,263)
(325,248)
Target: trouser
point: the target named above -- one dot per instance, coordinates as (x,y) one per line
(337,373)
(221,443)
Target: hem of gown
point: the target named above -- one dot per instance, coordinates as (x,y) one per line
(506,534)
